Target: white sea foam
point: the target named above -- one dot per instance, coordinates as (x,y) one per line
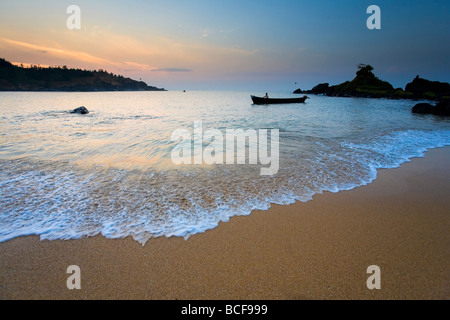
(114,178)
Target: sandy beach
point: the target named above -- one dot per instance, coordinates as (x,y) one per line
(315,250)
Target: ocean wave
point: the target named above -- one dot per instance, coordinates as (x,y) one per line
(59,200)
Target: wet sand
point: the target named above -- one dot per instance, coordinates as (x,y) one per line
(315,250)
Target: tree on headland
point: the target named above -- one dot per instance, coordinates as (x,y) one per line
(364,69)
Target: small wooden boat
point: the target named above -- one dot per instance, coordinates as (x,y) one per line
(261,100)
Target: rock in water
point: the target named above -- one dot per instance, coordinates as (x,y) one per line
(321,88)
(80,110)
(423,108)
(441,109)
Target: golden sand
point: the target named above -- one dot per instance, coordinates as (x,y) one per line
(315,250)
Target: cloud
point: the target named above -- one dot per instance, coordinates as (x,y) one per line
(97,47)
(139,66)
(171,70)
(76,55)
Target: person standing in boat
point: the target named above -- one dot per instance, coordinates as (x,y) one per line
(266,96)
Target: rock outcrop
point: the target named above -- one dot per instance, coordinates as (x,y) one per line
(423,108)
(426,89)
(442,108)
(80,110)
(367,85)
(321,88)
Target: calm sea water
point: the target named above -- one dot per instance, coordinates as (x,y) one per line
(66,176)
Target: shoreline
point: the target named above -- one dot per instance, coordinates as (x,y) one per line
(314,250)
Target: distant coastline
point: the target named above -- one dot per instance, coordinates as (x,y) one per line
(36,78)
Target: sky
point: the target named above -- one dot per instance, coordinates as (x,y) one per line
(249,45)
